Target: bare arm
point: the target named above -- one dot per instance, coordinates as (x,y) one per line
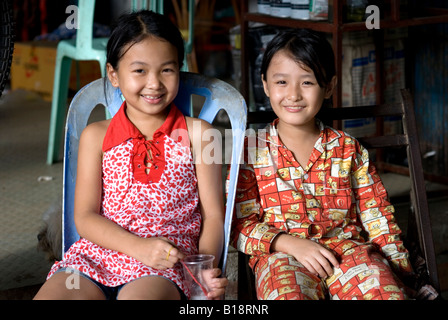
(210,189)
(211,195)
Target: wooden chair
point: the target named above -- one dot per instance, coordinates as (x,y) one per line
(418,240)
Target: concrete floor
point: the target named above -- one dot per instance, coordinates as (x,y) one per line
(28,187)
(24,123)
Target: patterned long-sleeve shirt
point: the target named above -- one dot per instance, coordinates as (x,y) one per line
(338,199)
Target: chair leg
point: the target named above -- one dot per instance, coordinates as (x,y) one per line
(246,279)
(58,107)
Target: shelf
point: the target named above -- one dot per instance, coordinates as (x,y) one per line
(325,26)
(412,22)
(337,27)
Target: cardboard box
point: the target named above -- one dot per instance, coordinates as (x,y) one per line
(33,67)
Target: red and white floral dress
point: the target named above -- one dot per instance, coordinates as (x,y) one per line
(161,203)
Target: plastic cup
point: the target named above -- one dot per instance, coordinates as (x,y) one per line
(195,267)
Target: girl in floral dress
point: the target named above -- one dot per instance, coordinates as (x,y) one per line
(140,202)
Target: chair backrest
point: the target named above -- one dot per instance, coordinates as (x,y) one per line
(154,5)
(218,96)
(86,10)
(419,238)
(157,6)
(84,33)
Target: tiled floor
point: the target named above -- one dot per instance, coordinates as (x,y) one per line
(28,187)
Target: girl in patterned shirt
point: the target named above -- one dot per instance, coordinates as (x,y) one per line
(141,203)
(311,210)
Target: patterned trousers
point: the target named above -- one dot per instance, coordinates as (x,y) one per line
(363,274)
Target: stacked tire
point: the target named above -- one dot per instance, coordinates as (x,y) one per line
(6,41)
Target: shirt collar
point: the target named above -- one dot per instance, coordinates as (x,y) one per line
(122,129)
(273,132)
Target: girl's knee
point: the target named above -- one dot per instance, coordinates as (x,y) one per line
(149,288)
(283,278)
(367,282)
(66,286)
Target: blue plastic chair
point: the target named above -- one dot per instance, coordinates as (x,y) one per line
(218,96)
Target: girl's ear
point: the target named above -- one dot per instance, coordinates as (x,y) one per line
(112,75)
(265,85)
(330,88)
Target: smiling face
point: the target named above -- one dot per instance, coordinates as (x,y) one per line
(293,90)
(148,76)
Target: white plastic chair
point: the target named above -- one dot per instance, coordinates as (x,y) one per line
(218,96)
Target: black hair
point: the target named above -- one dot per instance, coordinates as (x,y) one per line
(307,47)
(131,28)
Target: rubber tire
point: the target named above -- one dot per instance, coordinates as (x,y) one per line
(6,41)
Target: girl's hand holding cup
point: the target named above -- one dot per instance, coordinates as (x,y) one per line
(202,279)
